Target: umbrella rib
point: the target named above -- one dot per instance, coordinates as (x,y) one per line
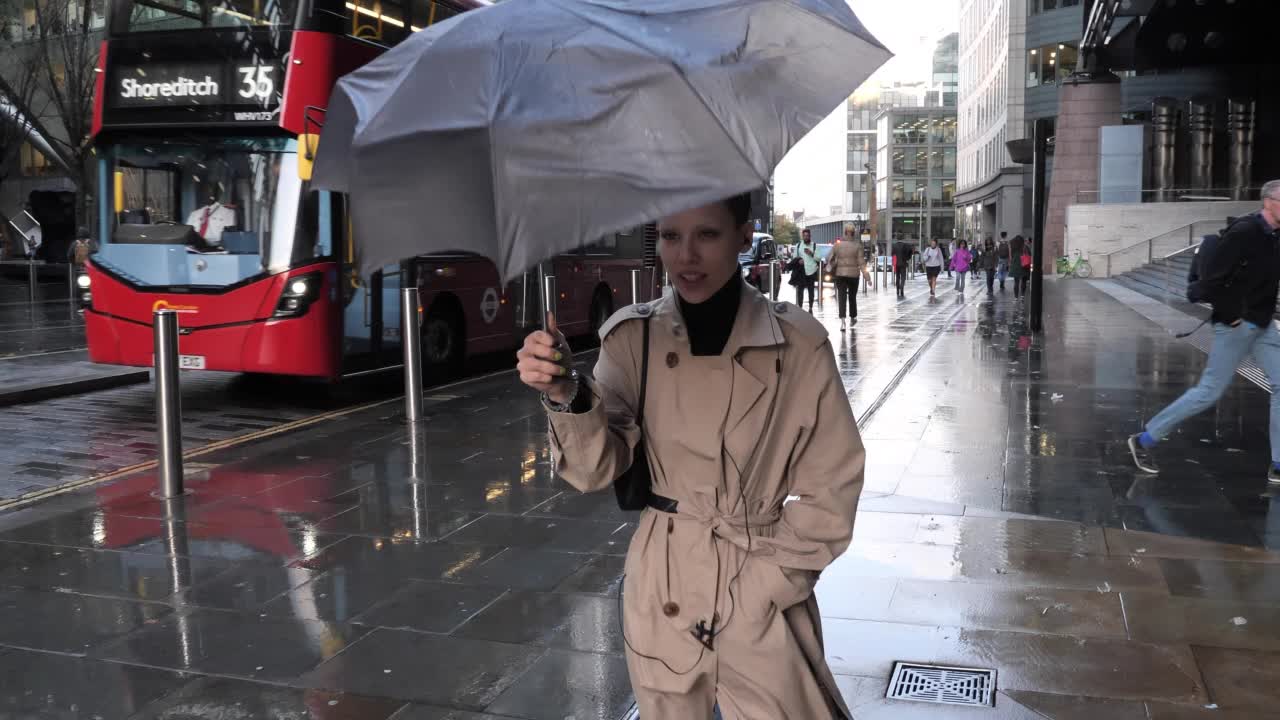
(683,77)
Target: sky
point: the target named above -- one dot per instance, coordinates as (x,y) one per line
(811,176)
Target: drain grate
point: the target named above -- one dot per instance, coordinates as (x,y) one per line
(942,685)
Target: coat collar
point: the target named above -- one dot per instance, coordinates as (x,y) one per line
(756,325)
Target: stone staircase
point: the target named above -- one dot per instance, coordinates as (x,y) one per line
(1163,276)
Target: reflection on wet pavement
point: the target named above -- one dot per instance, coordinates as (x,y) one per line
(357,570)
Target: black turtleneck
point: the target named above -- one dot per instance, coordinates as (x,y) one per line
(711,322)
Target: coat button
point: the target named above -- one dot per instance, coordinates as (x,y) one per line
(670,609)
(672,359)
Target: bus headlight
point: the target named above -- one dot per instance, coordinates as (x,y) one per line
(299,293)
(83,282)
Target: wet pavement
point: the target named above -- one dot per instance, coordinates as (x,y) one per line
(356,570)
(50,324)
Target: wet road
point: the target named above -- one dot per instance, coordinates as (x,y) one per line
(50,324)
(67,441)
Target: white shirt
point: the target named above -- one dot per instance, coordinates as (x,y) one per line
(220,218)
(933,257)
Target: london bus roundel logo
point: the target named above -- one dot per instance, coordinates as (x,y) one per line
(489,306)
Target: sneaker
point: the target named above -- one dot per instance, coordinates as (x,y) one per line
(1273,475)
(1142,456)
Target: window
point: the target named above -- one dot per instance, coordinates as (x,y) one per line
(33,162)
(1049,64)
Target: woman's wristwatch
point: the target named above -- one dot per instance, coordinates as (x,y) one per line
(576,385)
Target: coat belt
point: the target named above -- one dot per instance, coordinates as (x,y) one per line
(733,528)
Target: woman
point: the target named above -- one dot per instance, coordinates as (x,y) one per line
(743,409)
(933,265)
(1016,271)
(960,260)
(807,251)
(847,264)
(1025,264)
(989,263)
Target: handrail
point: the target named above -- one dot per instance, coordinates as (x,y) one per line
(1176,253)
(1150,243)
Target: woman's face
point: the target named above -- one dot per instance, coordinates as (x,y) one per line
(699,249)
(933,243)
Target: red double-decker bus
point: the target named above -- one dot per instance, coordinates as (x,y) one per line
(205,122)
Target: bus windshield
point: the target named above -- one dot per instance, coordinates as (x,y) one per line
(208,211)
(160,15)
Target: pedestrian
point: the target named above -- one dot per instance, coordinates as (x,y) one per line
(933,261)
(1024,263)
(1240,280)
(990,263)
(946,257)
(1002,258)
(960,260)
(81,248)
(717,600)
(1016,246)
(902,253)
(807,251)
(847,263)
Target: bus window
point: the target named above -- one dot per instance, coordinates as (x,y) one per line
(159,15)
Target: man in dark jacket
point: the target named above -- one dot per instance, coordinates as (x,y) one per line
(902,252)
(1240,280)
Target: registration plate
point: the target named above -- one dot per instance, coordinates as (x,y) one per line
(191,362)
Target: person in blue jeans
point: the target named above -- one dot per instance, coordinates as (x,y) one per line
(1240,280)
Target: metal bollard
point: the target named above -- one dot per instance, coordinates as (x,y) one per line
(822,273)
(71,282)
(635,287)
(549,303)
(411,339)
(31,279)
(168,403)
(773,281)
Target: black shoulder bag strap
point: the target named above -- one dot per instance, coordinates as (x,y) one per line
(634,486)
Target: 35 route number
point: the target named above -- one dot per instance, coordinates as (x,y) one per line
(257,82)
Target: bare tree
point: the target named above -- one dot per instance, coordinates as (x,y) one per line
(67,36)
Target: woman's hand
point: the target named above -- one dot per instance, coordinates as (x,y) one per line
(544,361)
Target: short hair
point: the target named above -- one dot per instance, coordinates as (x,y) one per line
(739,206)
(850,226)
(1004,234)
(805,230)
(1271,189)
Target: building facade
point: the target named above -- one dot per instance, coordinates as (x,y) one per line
(990,194)
(915,173)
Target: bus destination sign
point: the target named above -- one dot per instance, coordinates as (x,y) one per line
(252,89)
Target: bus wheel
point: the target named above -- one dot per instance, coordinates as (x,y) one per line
(443,341)
(601,310)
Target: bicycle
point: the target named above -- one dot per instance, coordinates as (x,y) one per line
(1079,268)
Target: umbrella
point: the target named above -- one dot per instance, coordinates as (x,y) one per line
(533,127)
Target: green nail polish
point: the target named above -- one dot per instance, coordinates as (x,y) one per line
(559,357)
(564,371)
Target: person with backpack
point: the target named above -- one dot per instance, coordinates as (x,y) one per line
(1239,275)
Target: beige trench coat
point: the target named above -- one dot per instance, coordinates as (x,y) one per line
(847,259)
(704,419)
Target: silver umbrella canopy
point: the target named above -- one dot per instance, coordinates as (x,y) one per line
(532,127)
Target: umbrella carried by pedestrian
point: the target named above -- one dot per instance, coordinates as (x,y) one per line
(531,128)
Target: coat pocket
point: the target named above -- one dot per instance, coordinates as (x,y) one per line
(774,587)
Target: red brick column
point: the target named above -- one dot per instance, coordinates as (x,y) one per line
(1083,107)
